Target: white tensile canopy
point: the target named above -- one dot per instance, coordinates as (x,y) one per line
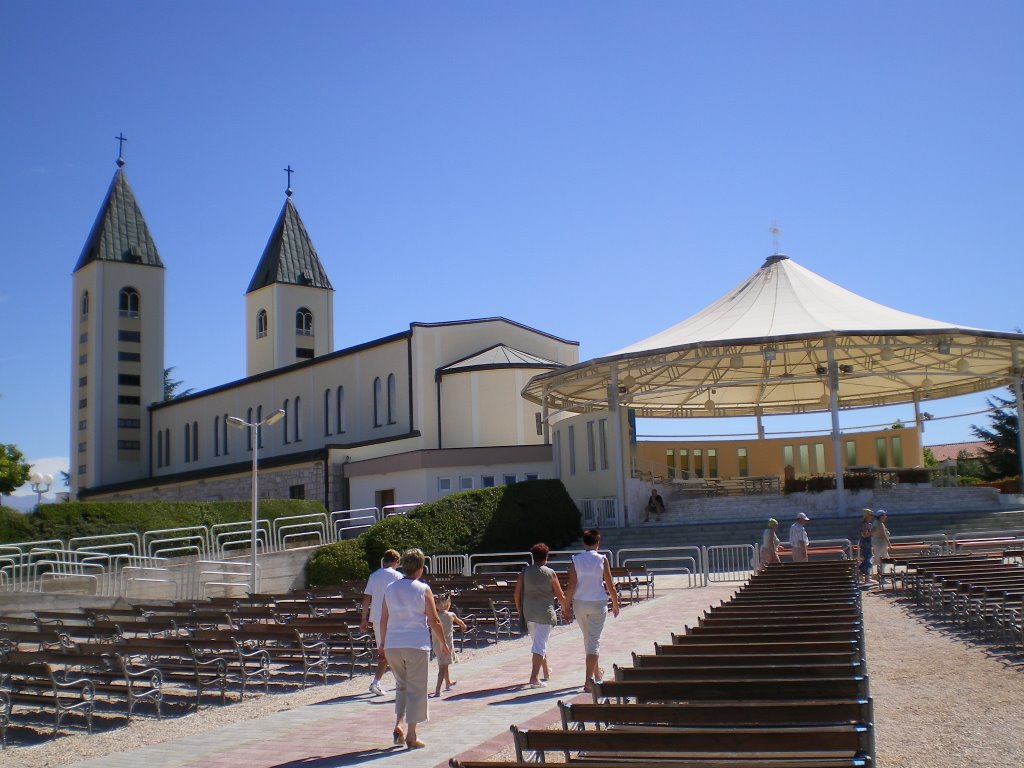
(786,340)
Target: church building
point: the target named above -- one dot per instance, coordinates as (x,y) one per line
(431,409)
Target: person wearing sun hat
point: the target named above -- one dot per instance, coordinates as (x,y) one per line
(798,540)
(769,544)
(880,540)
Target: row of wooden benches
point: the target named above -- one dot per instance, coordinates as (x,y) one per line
(776,677)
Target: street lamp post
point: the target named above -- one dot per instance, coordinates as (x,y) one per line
(238,423)
(40,485)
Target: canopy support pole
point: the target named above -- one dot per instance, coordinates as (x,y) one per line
(760,426)
(617,457)
(1016,386)
(919,422)
(833,406)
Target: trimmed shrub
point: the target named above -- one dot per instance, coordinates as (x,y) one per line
(337,563)
(396,532)
(15,525)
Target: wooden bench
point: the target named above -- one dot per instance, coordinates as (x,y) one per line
(773,689)
(727,713)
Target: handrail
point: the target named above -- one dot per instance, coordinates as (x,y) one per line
(276,527)
(200,531)
(398,509)
(112,538)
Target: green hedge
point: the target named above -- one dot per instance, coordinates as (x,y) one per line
(97,518)
(509,518)
(335,563)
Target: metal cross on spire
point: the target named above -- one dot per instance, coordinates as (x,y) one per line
(121,139)
(776,234)
(289,171)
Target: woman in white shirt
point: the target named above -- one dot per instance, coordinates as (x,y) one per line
(590,587)
(405,641)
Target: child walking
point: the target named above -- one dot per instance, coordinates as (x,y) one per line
(444,660)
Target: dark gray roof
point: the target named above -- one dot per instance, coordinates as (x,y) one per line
(289,256)
(120,233)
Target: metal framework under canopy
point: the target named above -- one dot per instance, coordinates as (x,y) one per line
(770,345)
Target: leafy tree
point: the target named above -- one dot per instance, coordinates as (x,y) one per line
(65,478)
(929,458)
(999,458)
(14,470)
(171,386)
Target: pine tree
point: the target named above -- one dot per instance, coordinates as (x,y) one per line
(1000,455)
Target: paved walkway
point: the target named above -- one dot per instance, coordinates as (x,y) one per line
(471,721)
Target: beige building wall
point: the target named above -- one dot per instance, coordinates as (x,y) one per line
(278,347)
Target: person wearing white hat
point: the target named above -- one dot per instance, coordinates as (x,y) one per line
(769,544)
(798,540)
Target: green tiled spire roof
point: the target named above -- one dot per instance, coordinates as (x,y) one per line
(120,233)
(289,256)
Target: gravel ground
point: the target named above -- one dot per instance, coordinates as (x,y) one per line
(941,701)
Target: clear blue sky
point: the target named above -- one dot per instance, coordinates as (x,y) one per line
(597,170)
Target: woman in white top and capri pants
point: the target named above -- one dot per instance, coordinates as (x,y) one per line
(590,587)
(405,641)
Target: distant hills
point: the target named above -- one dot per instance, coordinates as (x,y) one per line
(24,502)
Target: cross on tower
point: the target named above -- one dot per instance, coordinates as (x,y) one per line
(120,148)
(289,171)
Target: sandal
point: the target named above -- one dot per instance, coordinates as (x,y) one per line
(397,736)
(414,744)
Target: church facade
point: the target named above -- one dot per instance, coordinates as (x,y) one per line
(431,409)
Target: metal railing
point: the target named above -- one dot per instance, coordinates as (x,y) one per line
(729,562)
(686,561)
(598,513)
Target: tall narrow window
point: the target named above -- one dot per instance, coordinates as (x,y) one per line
(167,447)
(741,461)
(224,435)
(377,404)
(698,462)
(804,452)
(684,463)
(851,453)
(259,432)
(819,457)
(327,412)
(85,304)
(297,429)
(897,451)
(602,437)
(159,450)
(883,457)
(188,443)
(712,462)
(670,462)
(216,435)
(303,322)
(339,408)
(248,430)
(591,447)
(284,430)
(787,457)
(572,450)
(261,324)
(392,398)
(128,303)
(195,441)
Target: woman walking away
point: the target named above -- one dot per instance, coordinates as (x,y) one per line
(448,623)
(769,544)
(590,587)
(405,640)
(864,546)
(536,590)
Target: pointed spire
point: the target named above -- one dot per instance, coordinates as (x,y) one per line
(289,257)
(120,232)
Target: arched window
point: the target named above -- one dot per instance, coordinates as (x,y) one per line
(327,412)
(284,430)
(188,443)
(159,449)
(216,435)
(377,402)
(167,447)
(298,419)
(261,324)
(303,322)
(128,303)
(248,430)
(85,303)
(195,441)
(392,397)
(340,408)
(224,426)
(259,432)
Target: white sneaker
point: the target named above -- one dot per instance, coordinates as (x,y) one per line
(375,688)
